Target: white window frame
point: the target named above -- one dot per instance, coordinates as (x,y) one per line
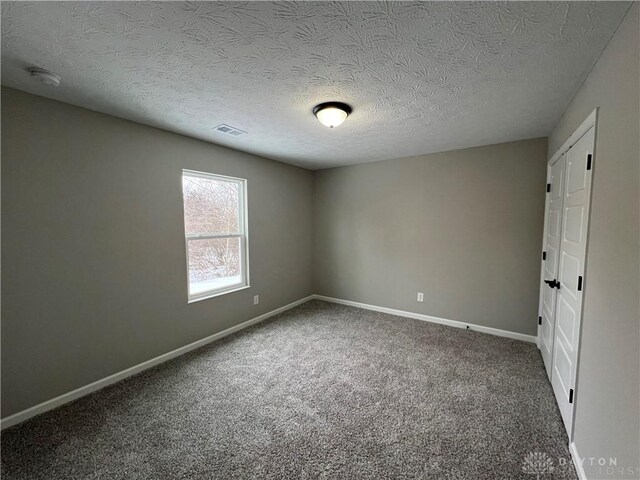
(243,235)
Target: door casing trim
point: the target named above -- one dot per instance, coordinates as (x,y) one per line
(590,122)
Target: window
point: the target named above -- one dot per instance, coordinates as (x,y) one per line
(215,225)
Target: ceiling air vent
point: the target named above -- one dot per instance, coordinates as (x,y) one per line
(230,130)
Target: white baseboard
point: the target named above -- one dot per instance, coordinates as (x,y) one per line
(428,318)
(116,377)
(577,462)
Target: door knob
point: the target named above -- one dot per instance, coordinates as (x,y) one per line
(553,283)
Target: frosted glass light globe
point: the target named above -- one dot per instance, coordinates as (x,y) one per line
(332,114)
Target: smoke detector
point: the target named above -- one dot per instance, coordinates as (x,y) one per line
(45,76)
(236,132)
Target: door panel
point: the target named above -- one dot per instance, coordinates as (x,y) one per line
(569,271)
(576,176)
(546,340)
(552,247)
(566,320)
(573,221)
(554,223)
(562,368)
(552,261)
(572,250)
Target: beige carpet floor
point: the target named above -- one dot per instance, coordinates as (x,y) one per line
(320,391)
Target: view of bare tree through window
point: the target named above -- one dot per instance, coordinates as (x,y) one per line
(210,206)
(214,258)
(214,232)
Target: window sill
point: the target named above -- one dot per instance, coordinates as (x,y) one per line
(217,294)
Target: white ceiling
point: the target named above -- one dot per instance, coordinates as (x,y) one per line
(421,77)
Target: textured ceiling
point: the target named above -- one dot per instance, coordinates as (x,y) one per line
(421,77)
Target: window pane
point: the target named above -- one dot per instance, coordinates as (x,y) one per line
(211,205)
(214,264)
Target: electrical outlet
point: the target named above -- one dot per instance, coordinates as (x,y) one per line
(420,297)
(256,299)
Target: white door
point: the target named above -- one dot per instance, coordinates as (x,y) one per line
(553,228)
(573,244)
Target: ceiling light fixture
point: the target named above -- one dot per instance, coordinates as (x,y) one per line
(45,76)
(332,114)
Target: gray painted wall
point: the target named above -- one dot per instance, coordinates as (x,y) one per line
(464,227)
(607,422)
(93,259)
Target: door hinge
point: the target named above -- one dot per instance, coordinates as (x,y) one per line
(579,284)
(548,187)
(571,395)
(539,320)
(589,161)
(544,255)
